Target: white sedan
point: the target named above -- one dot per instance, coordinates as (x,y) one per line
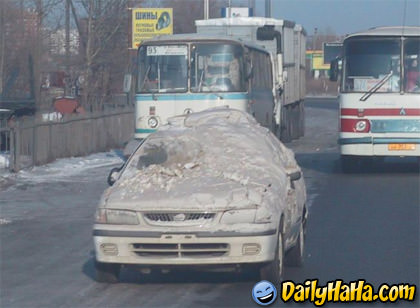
(210,189)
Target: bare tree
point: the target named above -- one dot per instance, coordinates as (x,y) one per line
(104,36)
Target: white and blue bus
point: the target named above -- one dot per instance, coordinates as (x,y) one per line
(379,95)
(186,73)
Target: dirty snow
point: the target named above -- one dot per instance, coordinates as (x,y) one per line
(211,160)
(62,170)
(4,160)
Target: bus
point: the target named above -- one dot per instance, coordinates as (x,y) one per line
(379,95)
(184,73)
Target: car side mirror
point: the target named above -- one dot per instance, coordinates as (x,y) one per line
(294,176)
(113,175)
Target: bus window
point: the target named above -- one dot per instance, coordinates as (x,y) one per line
(411,65)
(217,68)
(368,62)
(163,68)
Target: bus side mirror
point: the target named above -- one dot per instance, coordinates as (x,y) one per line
(334,70)
(249,69)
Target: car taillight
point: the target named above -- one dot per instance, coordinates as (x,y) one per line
(355,126)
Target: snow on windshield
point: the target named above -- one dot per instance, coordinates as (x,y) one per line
(214,150)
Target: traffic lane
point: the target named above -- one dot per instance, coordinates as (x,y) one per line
(61,272)
(364,225)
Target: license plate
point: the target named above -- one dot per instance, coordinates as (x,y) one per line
(401,147)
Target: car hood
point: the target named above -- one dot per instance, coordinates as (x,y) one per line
(206,194)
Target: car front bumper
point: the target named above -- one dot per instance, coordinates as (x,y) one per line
(197,248)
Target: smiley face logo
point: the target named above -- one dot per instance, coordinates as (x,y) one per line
(264,293)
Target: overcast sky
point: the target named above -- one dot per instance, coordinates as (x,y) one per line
(344,16)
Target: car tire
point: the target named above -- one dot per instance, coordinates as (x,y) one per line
(296,255)
(273,271)
(107,272)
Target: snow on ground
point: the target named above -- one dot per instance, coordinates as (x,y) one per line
(75,169)
(63,169)
(4,160)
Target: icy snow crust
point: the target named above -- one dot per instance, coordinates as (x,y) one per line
(218,160)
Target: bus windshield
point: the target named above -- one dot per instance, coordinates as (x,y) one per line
(163,68)
(372,65)
(412,65)
(217,67)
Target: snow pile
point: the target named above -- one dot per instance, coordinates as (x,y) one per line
(65,168)
(213,158)
(4,160)
(4,221)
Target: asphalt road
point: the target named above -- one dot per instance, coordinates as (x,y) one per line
(361,226)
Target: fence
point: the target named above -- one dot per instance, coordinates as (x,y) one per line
(36,142)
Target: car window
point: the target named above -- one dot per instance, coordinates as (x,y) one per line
(168,152)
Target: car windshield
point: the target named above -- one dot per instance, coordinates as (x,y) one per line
(162,68)
(169,152)
(372,65)
(217,68)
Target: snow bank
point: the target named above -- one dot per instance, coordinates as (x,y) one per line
(4,160)
(65,168)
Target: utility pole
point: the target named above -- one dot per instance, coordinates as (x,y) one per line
(206,9)
(67,47)
(268,8)
(2,47)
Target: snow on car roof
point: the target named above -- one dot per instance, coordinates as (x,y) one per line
(215,157)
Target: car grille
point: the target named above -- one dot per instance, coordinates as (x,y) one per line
(207,250)
(178,217)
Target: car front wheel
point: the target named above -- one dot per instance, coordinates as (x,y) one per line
(107,272)
(295,256)
(273,271)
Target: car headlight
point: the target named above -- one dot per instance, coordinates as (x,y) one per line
(264,215)
(118,217)
(238,216)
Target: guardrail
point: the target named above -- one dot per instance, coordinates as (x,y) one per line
(37,142)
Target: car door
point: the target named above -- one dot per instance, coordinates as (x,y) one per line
(293,191)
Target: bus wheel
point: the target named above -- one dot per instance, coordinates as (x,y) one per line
(349,163)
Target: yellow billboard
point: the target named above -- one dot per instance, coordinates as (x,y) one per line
(318,62)
(149,22)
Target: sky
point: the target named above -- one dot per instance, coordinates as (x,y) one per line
(344,16)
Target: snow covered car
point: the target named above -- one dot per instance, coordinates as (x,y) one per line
(213,189)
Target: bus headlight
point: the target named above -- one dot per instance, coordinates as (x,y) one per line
(361,126)
(153,122)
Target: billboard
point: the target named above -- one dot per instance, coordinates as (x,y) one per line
(149,22)
(331,51)
(318,62)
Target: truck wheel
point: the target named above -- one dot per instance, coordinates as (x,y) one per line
(273,271)
(107,272)
(301,119)
(295,125)
(295,256)
(285,135)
